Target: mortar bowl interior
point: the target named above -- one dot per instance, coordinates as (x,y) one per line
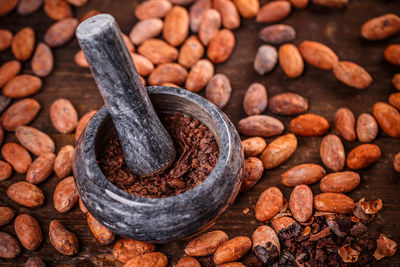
(167,219)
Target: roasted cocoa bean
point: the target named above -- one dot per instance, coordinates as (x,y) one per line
(340,182)
(200,74)
(168,73)
(247,8)
(232,250)
(253,146)
(176,26)
(221,46)
(388,118)
(41,168)
(8,71)
(303,174)
(394,100)
(277,34)
(9,246)
(35,262)
(255,100)
(209,25)
(392,54)
(5,39)
(126,249)
(332,153)
(57,9)
(363,156)
(22,86)
(274,11)
(266,59)
(42,60)
(145,29)
(6,215)
(34,140)
(268,204)
(395,81)
(333,202)
(266,244)
(26,7)
(396,162)
(65,195)
(17,156)
(331,3)
(290,60)
(279,151)
(299,3)
(206,244)
(89,14)
(100,232)
(191,51)
(26,194)
(318,55)
(158,51)
(188,262)
(23,43)
(345,124)
(309,125)
(19,113)
(381,27)
(5,170)
(63,115)
(260,125)
(352,74)
(196,13)
(367,128)
(80,59)
(61,32)
(152,9)
(288,104)
(218,90)
(229,13)
(63,240)
(155,259)
(28,231)
(301,203)
(253,171)
(82,123)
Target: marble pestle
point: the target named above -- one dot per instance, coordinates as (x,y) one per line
(146,145)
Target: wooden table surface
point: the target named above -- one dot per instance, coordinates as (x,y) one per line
(339,29)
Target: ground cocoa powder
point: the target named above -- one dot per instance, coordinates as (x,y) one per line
(197,155)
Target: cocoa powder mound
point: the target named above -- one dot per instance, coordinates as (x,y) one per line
(197,155)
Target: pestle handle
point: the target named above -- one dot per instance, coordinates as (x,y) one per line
(146,145)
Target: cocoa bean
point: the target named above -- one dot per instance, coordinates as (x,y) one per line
(288,104)
(145,29)
(395,81)
(100,232)
(6,6)
(61,32)
(5,170)
(231,264)
(209,25)
(274,11)
(309,125)
(77,2)
(247,8)
(57,9)
(200,74)
(229,13)
(26,7)
(152,9)
(128,43)
(352,74)
(301,203)
(82,123)
(63,115)
(392,54)
(176,26)
(5,39)
(334,202)
(332,152)
(34,140)
(367,128)
(65,195)
(8,71)
(168,72)
(144,66)
(345,124)
(126,249)
(260,125)
(82,206)
(35,262)
(255,100)
(252,173)
(278,34)
(158,51)
(206,244)
(6,215)
(279,151)
(26,194)
(89,14)
(253,146)
(28,231)
(266,59)
(63,240)
(23,43)
(22,86)
(381,27)
(42,61)
(303,174)
(299,3)
(388,118)
(268,204)
(154,259)
(9,246)
(290,60)
(396,163)
(340,182)
(221,46)
(363,156)
(394,100)
(188,262)
(318,55)
(264,234)
(41,168)
(218,90)
(20,113)
(17,156)
(196,13)
(232,250)
(331,3)
(191,51)
(80,59)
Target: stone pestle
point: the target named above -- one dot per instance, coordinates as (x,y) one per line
(147,147)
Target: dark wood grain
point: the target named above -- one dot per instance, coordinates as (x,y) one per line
(339,29)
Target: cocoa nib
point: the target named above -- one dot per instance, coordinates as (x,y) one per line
(340,225)
(292,231)
(197,155)
(267,254)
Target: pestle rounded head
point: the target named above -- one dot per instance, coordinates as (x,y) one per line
(94,26)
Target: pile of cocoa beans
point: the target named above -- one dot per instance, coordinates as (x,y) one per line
(177,43)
